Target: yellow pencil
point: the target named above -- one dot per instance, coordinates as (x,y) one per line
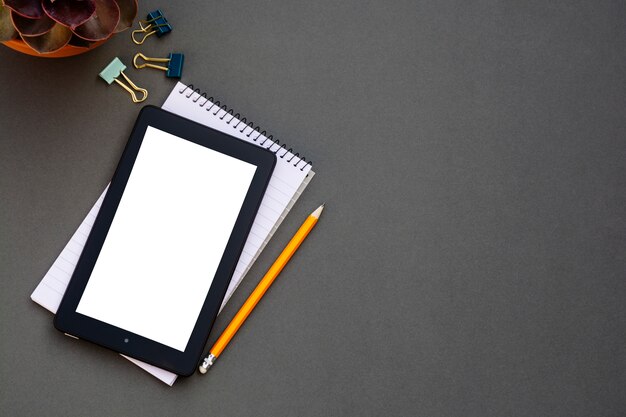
(260,289)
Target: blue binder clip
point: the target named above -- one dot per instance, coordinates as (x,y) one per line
(111,73)
(155,23)
(174,68)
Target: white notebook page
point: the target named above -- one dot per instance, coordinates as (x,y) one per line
(282,190)
(288,181)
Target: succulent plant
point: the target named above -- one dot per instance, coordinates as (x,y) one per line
(48,25)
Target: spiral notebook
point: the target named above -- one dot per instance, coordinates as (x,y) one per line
(291,176)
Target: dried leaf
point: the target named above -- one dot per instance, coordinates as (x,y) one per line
(69,13)
(52,41)
(128,13)
(7,31)
(26,8)
(32,27)
(103,22)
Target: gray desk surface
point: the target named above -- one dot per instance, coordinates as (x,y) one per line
(471,259)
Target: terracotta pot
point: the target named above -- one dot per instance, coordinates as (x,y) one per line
(67,50)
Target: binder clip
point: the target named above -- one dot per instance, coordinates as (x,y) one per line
(155,23)
(111,73)
(174,68)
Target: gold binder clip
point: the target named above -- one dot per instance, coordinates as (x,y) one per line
(155,23)
(111,73)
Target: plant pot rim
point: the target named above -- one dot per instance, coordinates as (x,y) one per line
(68,50)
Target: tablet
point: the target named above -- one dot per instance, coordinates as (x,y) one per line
(156,265)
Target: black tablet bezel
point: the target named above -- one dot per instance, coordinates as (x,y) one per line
(184,363)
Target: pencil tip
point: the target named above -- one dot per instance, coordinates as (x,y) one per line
(318,211)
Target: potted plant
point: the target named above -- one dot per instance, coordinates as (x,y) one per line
(59,28)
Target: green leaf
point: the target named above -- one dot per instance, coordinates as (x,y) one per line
(69,13)
(7,31)
(102,23)
(51,41)
(32,27)
(128,13)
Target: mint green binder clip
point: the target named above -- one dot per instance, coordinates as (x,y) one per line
(111,74)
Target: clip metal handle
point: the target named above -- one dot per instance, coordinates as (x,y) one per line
(155,22)
(132,35)
(147,59)
(144,30)
(134,87)
(174,68)
(111,74)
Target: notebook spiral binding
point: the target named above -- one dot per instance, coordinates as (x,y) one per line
(217,107)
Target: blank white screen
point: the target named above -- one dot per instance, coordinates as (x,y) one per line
(167,239)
